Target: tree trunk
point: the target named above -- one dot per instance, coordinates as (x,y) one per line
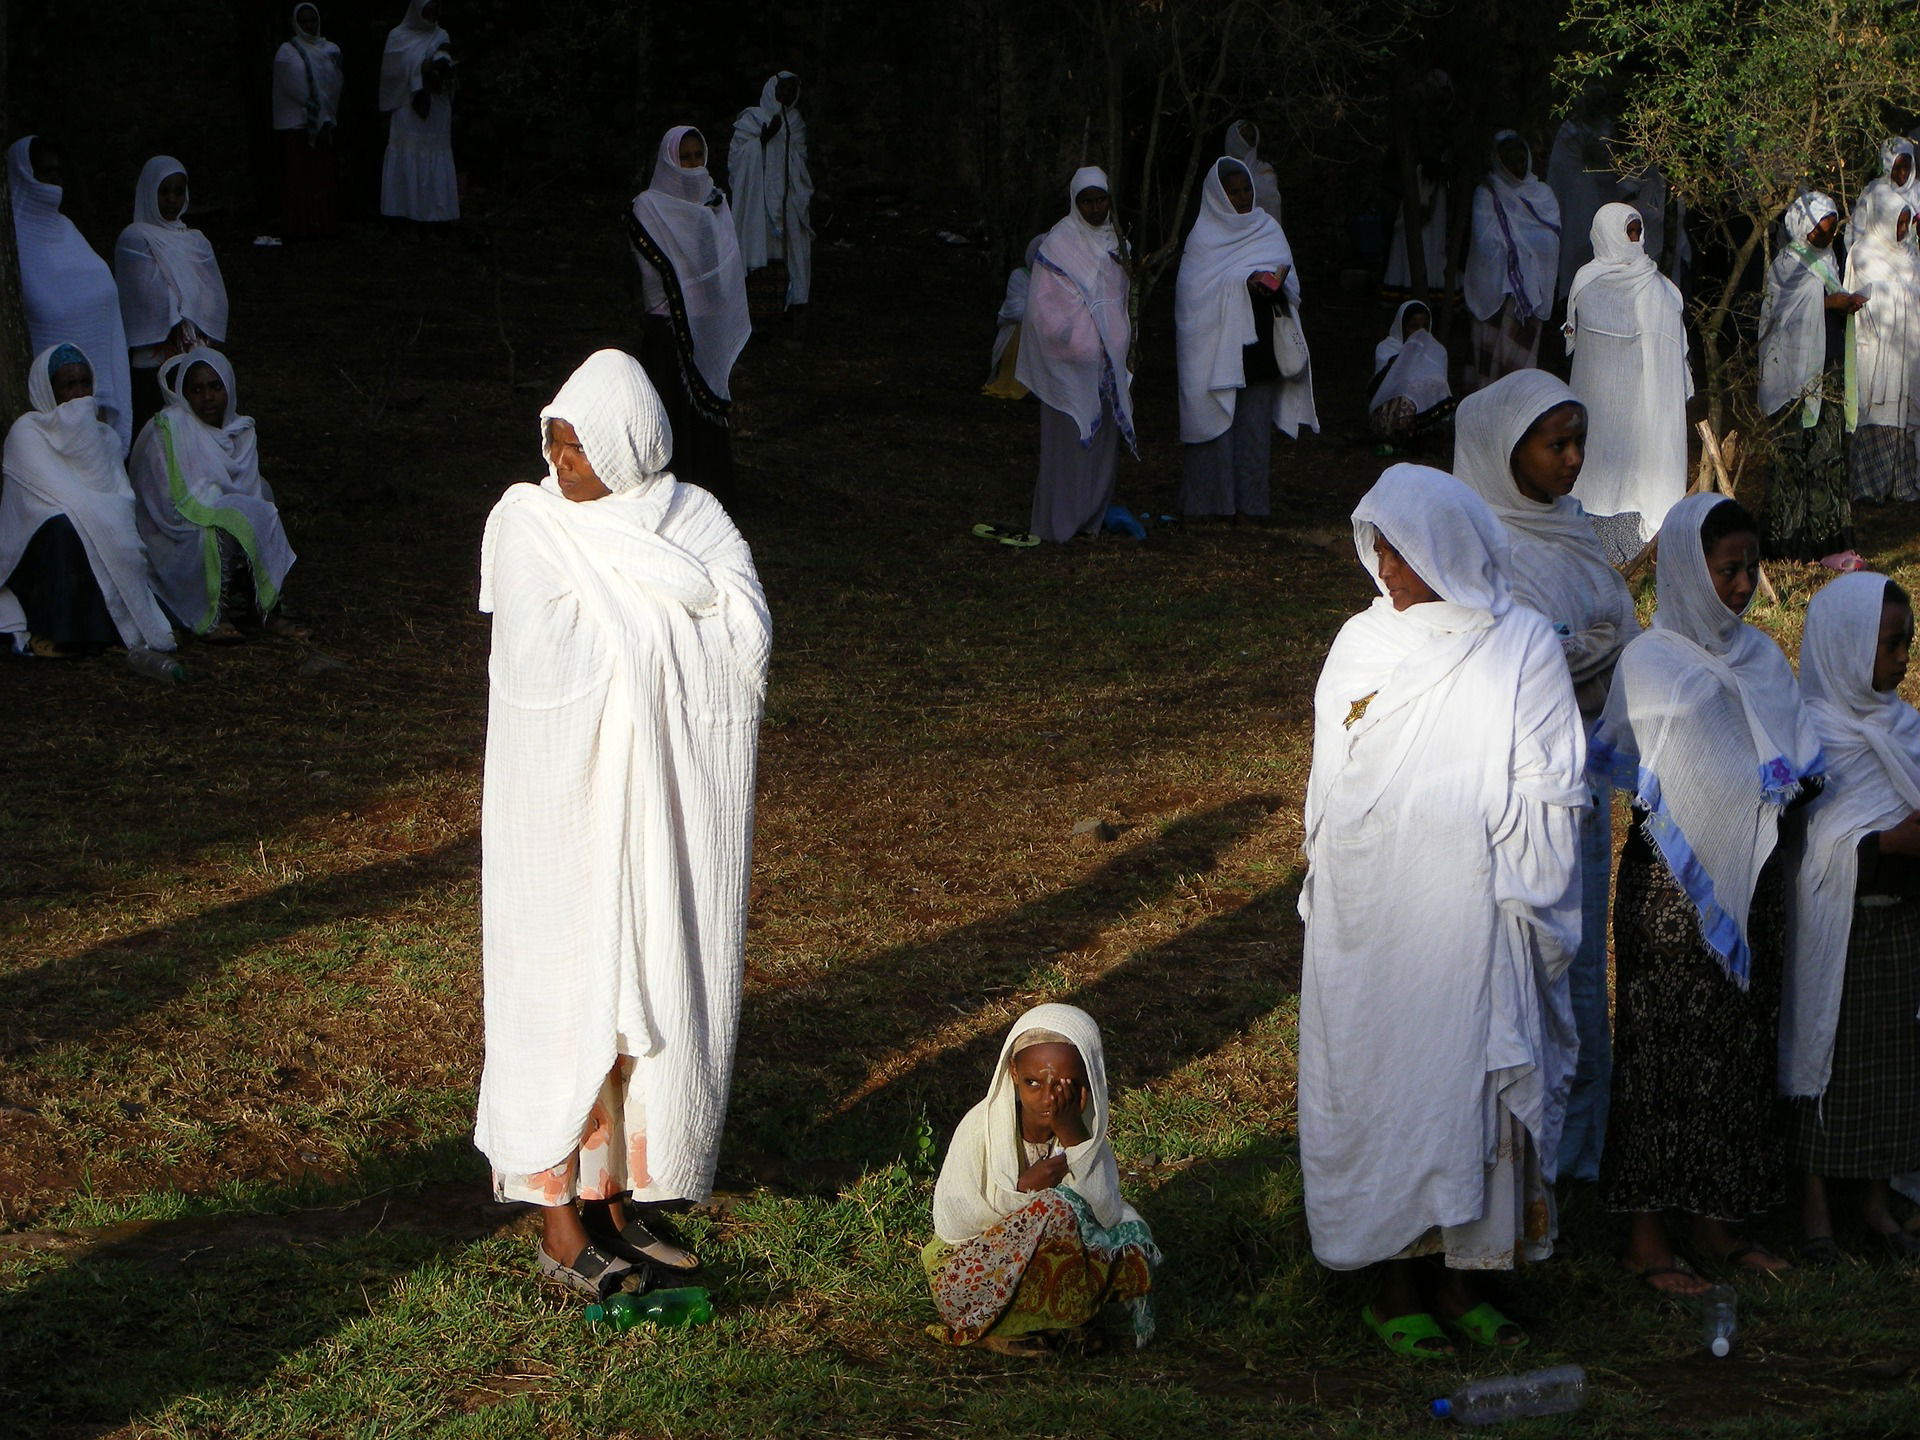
(15,351)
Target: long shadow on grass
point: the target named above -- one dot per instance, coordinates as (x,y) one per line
(86,994)
(800,1112)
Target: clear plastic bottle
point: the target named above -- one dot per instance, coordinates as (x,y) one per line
(155,664)
(687,1305)
(1718,1320)
(1514,1397)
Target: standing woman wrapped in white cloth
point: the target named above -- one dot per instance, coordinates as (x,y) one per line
(1884,267)
(67,291)
(1626,330)
(1513,256)
(1849,1047)
(773,185)
(172,294)
(1075,353)
(418,180)
(1442,906)
(307,80)
(628,673)
(1409,396)
(694,288)
(1237,279)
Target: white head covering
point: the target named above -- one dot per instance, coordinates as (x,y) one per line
(1872,742)
(616,412)
(194,289)
(1887,329)
(1793,324)
(232,444)
(1891,149)
(686,215)
(1617,259)
(979,1182)
(306,77)
(1447,534)
(1064,359)
(410,44)
(1266,185)
(1419,364)
(1517,252)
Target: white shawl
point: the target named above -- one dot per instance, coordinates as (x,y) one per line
(773,189)
(1419,365)
(1558,566)
(979,1182)
(61,460)
(306,78)
(1872,741)
(1705,728)
(196,482)
(1266,185)
(165,270)
(1891,149)
(67,291)
(1013,309)
(687,216)
(1442,901)
(1887,328)
(1213,315)
(1515,249)
(410,44)
(1793,317)
(1626,330)
(1077,336)
(630,643)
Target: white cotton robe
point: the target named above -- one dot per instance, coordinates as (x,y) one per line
(1514,251)
(307,78)
(1411,367)
(1887,328)
(166,270)
(67,291)
(630,644)
(418,180)
(773,189)
(1793,317)
(1076,337)
(60,459)
(1442,901)
(686,216)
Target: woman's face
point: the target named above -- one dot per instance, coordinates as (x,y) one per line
(1635,230)
(693,151)
(1733,564)
(205,393)
(1404,588)
(1513,157)
(1891,650)
(1415,320)
(578,482)
(72,381)
(1902,169)
(45,162)
(788,90)
(1821,236)
(306,19)
(1249,132)
(1037,1071)
(1548,458)
(1239,189)
(1094,205)
(172,196)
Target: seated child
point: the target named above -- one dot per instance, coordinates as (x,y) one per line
(1032,1235)
(1410,397)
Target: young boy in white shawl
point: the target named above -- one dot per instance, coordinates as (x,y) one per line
(418,180)
(1442,906)
(629,666)
(172,295)
(1513,256)
(773,185)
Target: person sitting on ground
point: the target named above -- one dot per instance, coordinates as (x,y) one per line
(172,295)
(212,527)
(73,573)
(1410,398)
(1031,1235)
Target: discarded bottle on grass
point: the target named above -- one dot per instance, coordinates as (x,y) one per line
(1515,1397)
(155,664)
(687,1305)
(1718,1321)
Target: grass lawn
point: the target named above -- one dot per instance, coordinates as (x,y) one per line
(239,948)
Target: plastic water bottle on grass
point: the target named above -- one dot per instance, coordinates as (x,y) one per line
(1515,1397)
(155,664)
(687,1305)
(1718,1320)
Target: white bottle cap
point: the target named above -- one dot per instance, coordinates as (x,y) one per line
(1721,1345)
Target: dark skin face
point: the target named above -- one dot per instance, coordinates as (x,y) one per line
(1414,321)
(1891,651)
(578,482)
(206,394)
(46,163)
(1821,236)
(1548,458)
(1249,132)
(1094,205)
(1902,170)
(693,151)
(1050,1083)
(1635,229)
(1404,588)
(788,90)
(1513,157)
(1239,189)
(70,382)
(1733,564)
(172,196)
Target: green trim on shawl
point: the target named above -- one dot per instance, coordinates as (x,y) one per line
(211,518)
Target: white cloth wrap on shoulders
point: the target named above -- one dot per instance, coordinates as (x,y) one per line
(687,216)
(1515,245)
(166,270)
(1416,364)
(410,44)
(630,645)
(1793,316)
(773,189)
(1213,314)
(1077,332)
(61,460)
(1872,743)
(1442,900)
(1887,328)
(979,1183)
(307,78)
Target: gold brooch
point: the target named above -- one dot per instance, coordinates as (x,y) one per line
(1358,708)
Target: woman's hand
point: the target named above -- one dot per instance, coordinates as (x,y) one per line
(1850,303)
(1065,1100)
(1043,1174)
(772,129)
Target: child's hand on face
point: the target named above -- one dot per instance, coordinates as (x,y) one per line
(1066,1098)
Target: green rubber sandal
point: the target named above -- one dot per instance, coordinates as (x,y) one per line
(1403,1334)
(1483,1324)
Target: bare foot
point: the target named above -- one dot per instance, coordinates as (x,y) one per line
(1020,1347)
(1670,1279)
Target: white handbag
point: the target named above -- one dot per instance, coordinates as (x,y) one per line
(1289,345)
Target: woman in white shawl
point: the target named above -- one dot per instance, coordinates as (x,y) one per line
(67,291)
(73,573)
(307,79)
(1626,330)
(418,180)
(1442,906)
(1512,259)
(1243,144)
(1807,389)
(1520,444)
(1075,356)
(629,667)
(220,553)
(1031,1233)
(1884,267)
(773,186)
(172,295)
(1409,397)
(1705,731)
(1237,278)
(1849,1047)
(695,292)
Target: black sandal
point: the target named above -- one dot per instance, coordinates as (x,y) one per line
(593,1274)
(643,1238)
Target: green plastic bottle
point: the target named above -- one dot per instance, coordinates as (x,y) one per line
(688,1305)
